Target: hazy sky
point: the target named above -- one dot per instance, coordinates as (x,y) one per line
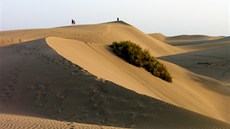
(171,17)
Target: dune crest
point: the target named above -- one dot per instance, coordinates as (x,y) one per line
(104,33)
(34,92)
(98,60)
(193,42)
(70,74)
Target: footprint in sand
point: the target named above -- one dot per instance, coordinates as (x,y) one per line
(41,94)
(7,90)
(71,125)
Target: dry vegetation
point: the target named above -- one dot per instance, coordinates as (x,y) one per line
(134,54)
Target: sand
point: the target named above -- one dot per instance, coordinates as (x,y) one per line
(110,67)
(99,33)
(213,62)
(8,121)
(74,77)
(193,42)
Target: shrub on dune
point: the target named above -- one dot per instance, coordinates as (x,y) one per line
(133,54)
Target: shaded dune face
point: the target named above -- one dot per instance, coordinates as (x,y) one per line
(212,63)
(36,81)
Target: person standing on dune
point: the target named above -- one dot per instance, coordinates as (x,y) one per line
(73,22)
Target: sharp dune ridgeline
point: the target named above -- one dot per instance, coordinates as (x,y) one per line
(68,77)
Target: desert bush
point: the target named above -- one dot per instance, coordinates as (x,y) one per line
(133,54)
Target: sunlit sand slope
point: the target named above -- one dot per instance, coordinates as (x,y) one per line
(37,81)
(9,121)
(99,33)
(202,92)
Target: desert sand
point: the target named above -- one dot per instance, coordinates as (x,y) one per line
(9,121)
(193,42)
(67,77)
(205,55)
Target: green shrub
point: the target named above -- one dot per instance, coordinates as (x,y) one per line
(134,54)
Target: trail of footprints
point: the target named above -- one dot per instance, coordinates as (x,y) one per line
(6,91)
(100,99)
(220,64)
(25,51)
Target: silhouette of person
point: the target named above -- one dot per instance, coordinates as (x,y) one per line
(73,22)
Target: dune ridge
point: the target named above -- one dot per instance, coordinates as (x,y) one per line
(112,68)
(158,36)
(193,42)
(100,82)
(104,33)
(184,38)
(81,98)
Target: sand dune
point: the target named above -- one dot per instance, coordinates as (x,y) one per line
(212,62)
(99,33)
(8,121)
(79,79)
(184,38)
(187,38)
(158,36)
(37,73)
(193,42)
(112,68)
(203,45)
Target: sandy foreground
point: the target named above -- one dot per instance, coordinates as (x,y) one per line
(68,78)
(8,121)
